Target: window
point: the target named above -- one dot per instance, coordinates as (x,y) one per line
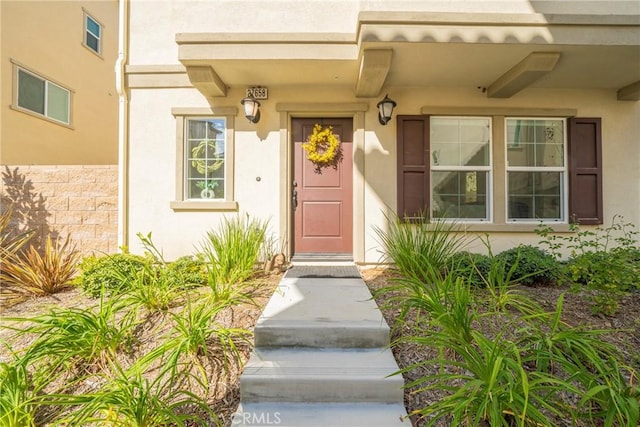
(41,96)
(460,167)
(205,159)
(536,169)
(92,34)
(499,170)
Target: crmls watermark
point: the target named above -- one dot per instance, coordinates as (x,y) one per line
(256,418)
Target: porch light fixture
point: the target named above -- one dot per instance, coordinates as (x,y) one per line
(251,109)
(385,109)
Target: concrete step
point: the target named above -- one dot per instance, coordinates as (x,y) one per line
(321,375)
(315,312)
(320,415)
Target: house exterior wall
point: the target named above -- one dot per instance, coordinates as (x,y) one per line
(262,150)
(47,38)
(80,201)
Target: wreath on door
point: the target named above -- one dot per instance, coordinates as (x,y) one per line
(323,148)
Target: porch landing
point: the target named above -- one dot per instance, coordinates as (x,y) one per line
(321,356)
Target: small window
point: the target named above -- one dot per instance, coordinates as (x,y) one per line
(42,96)
(205,159)
(92,34)
(536,169)
(460,168)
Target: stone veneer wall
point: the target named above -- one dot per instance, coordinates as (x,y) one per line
(79,200)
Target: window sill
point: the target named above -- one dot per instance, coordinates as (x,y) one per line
(514,228)
(98,54)
(41,116)
(221,205)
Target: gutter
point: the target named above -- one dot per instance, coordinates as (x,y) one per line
(123,124)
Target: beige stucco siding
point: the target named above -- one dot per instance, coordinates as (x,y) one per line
(313,60)
(46,38)
(260,152)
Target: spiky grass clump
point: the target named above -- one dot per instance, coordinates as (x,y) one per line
(36,274)
(411,246)
(233,249)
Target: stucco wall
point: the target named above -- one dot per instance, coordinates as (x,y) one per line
(620,152)
(261,152)
(79,201)
(46,37)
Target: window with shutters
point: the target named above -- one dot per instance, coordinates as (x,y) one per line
(500,170)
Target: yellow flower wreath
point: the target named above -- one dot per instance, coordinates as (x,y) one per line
(322,147)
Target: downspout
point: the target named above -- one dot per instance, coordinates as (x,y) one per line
(123,124)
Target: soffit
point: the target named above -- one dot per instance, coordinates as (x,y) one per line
(446,51)
(441,65)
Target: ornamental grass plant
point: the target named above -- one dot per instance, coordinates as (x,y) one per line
(35,274)
(19,394)
(80,339)
(529,372)
(130,399)
(186,349)
(163,345)
(412,245)
(502,360)
(231,251)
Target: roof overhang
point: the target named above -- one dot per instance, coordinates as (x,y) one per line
(500,53)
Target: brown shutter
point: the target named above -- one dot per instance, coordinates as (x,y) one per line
(413,165)
(585,171)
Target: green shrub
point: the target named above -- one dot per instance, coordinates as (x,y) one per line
(608,274)
(531,265)
(111,273)
(606,260)
(186,272)
(472,267)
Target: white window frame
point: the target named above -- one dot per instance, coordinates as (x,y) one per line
(564,171)
(182,202)
(86,31)
(488,169)
(17,68)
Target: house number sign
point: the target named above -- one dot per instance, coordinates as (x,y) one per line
(257,93)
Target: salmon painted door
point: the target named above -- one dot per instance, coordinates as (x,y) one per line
(323,219)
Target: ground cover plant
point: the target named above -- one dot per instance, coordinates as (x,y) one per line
(509,342)
(139,341)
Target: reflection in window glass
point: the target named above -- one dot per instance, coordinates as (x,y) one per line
(460,167)
(43,97)
(205,158)
(536,169)
(30,92)
(460,194)
(92,34)
(58,103)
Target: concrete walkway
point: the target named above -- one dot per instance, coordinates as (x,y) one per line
(321,356)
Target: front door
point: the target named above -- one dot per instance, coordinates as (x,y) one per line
(323,219)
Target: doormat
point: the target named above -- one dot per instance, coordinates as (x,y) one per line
(323,272)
